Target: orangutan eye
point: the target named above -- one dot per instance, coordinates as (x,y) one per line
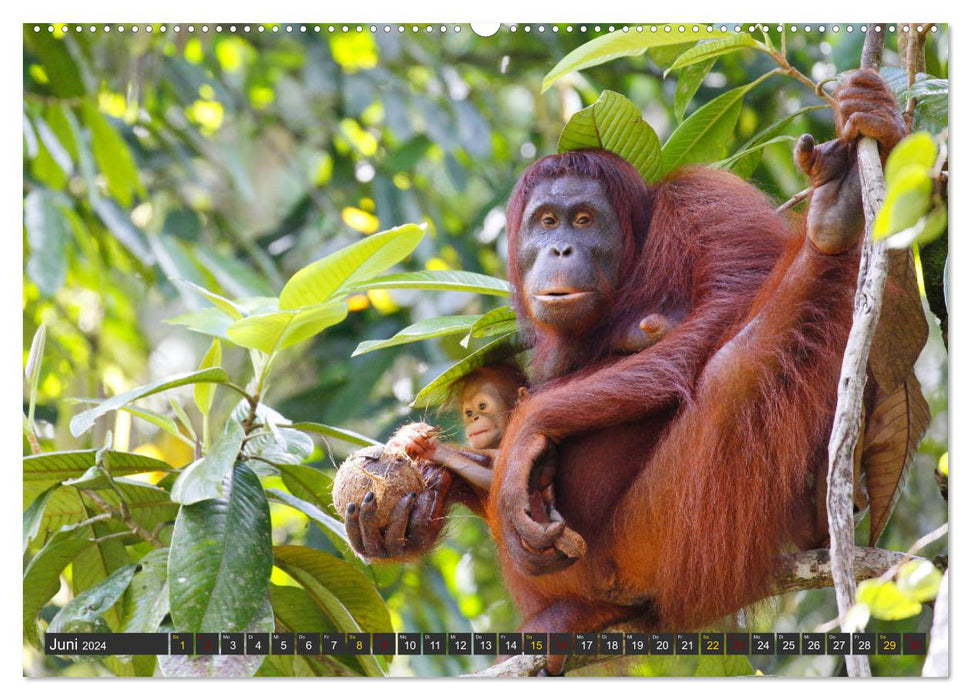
(548,221)
(482,406)
(582,219)
(468,413)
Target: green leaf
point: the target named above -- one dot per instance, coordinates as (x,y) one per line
(204,478)
(499,321)
(713,49)
(204,393)
(295,610)
(932,96)
(917,149)
(210,321)
(309,484)
(112,156)
(94,601)
(745,165)
(326,522)
(94,479)
(48,235)
(147,597)
(733,159)
(83,421)
(35,359)
(164,422)
(44,470)
(619,44)
(885,600)
(428,328)
(703,137)
(318,282)
(689,80)
(220,558)
(447,280)
(121,227)
(340,591)
(919,580)
(42,577)
(614,124)
(336,433)
(228,306)
(34,515)
(437,391)
(272,332)
(928,227)
(908,199)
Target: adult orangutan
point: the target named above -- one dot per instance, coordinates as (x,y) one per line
(688,466)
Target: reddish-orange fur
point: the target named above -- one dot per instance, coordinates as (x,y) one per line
(687,467)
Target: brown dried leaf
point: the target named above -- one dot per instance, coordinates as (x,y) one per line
(902,328)
(893,432)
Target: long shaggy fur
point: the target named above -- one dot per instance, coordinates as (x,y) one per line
(687,467)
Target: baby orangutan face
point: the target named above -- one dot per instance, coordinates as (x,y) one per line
(485,414)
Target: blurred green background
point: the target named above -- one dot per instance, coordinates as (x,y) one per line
(232,159)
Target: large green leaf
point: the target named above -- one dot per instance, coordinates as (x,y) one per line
(112,155)
(342,592)
(619,44)
(445,280)
(93,602)
(689,80)
(220,558)
(44,470)
(886,601)
(48,235)
(917,149)
(703,137)
(205,478)
(318,282)
(147,598)
(614,124)
(713,49)
(336,433)
(422,330)
(272,332)
(908,199)
(499,321)
(83,421)
(437,391)
(42,577)
(932,95)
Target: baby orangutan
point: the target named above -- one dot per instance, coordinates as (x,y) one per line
(486,397)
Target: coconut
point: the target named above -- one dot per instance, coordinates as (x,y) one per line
(389,476)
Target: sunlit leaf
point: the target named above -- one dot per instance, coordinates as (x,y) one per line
(437,391)
(336,433)
(619,44)
(886,601)
(917,149)
(112,156)
(908,199)
(228,306)
(83,421)
(48,235)
(713,49)
(275,331)
(428,328)
(204,393)
(318,282)
(689,80)
(919,580)
(212,321)
(445,280)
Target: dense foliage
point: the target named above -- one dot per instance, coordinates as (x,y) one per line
(240,236)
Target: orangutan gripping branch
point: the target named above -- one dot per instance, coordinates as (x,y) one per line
(689,466)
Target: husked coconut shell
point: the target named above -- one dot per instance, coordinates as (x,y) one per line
(390,476)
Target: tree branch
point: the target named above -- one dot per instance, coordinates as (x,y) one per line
(797,572)
(849,401)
